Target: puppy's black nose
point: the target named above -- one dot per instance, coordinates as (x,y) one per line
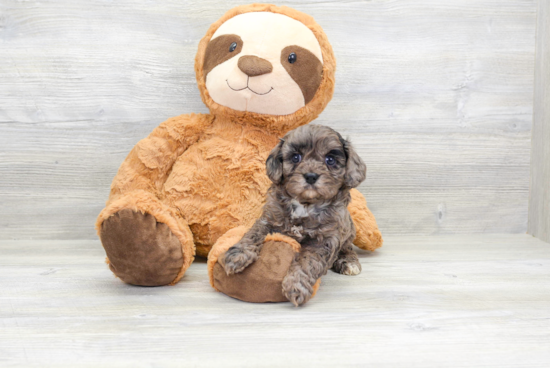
(311,178)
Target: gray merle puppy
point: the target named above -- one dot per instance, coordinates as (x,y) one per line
(312,169)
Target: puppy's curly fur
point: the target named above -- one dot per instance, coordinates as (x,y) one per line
(312,169)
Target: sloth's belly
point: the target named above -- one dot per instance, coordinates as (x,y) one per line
(217,185)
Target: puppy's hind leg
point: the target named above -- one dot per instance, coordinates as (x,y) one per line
(347,262)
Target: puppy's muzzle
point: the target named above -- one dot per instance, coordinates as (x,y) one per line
(311,178)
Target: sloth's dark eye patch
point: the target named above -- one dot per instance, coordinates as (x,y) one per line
(292,58)
(221,49)
(306,71)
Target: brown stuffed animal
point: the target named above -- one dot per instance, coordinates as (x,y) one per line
(198,181)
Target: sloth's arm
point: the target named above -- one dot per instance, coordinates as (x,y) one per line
(150,161)
(368,236)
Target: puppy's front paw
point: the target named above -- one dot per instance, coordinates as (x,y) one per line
(237,258)
(298,287)
(347,267)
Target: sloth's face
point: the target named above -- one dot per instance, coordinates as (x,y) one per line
(263,62)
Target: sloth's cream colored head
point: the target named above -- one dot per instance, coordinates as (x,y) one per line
(265,65)
(263,62)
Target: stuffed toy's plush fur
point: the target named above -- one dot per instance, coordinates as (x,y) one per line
(198,181)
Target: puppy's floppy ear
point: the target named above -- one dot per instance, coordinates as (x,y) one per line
(274,164)
(356,170)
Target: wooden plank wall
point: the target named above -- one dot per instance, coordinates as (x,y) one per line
(436,95)
(539,199)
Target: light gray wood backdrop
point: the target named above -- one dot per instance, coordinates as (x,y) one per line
(539,199)
(436,95)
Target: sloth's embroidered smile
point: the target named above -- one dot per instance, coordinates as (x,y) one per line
(247,87)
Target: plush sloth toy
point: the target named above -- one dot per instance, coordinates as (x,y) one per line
(198,182)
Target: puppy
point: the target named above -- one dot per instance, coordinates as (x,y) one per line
(312,169)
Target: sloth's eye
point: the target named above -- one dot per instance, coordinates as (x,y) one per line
(292,58)
(296,158)
(330,160)
(233,47)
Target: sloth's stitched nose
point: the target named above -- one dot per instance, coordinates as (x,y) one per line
(253,66)
(311,178)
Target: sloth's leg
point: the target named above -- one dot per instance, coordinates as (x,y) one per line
(146,244)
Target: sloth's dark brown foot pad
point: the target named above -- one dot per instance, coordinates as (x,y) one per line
(141,251)
(261,281)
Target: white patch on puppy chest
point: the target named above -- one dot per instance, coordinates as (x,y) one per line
(298,210)
(297,231)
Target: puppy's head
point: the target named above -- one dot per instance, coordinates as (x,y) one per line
(313,163)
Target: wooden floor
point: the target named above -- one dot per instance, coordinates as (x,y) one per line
(464,301)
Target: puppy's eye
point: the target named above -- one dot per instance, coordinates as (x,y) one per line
(233,47)
(330,160)
(296,158)
(292,58)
